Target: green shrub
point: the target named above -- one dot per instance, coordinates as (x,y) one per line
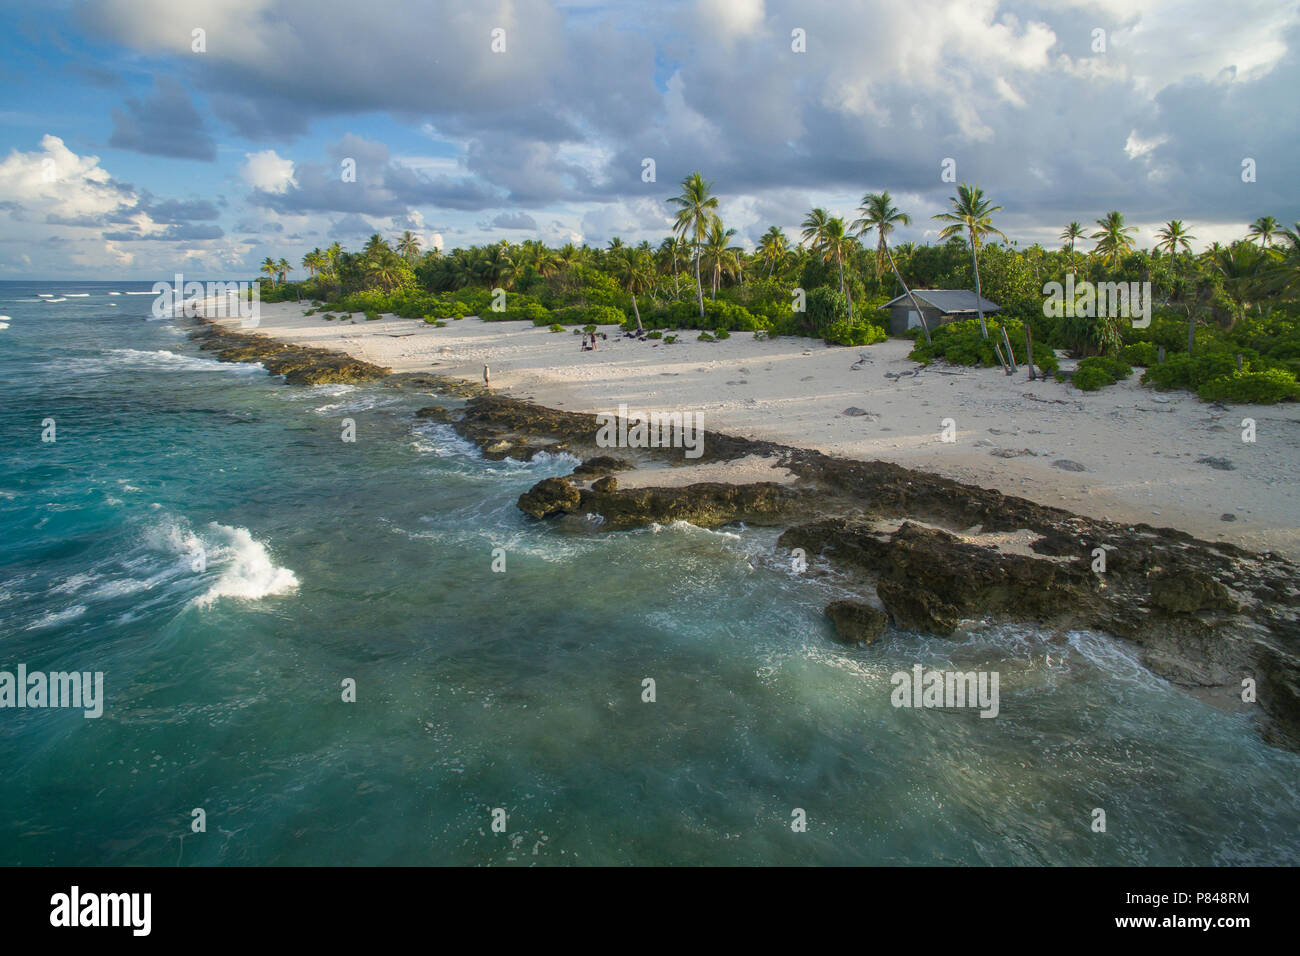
(1092,377)
(588,315)
(1114,367)
(1143,354)
(961,343)
(722,334)
(1191,371)
(706,337)
(669,339)
(372,316)
(656,334)
(850,333)
(1048,363)
(718,314)
(556,327)
(826,307)
(1091,335)
(1252,388)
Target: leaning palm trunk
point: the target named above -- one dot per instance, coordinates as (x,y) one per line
(919,314)
(699,284)
(637,312)
(848,293)
(979,298)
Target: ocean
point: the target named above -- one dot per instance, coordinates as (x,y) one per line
(201,535)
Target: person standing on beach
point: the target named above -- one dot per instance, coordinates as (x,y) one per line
(487,377)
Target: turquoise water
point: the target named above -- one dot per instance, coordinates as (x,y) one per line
(520,690)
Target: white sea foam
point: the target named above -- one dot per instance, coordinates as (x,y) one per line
(362,404)
(151,359)
(685,527)
(55,618)
(246,571)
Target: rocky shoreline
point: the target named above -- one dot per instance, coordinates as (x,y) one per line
(926,553)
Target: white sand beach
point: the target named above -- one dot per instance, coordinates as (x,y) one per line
(1144,455)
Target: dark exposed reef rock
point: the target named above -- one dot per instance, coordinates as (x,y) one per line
(299,365)
(857,622)
(934,552)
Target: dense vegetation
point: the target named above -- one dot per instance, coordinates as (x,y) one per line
(1242,299)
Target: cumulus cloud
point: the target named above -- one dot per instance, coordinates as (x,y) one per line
(166,124)
(268,172)
(556,129)
(57,182)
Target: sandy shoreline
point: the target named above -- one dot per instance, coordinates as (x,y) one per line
(1139,449)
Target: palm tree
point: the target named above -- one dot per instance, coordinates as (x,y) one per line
(672,253)
(1264,229)
(384,269)
(1071,234)
(635,272)
(314,262)
(879,214)
(497,265)
(773,248)
(375,246)
(547,262)
(270,268)
(695,211)
(972,214)
(332,255)
(814,227)
(1243,270)
(408,246)
(1113,239)
(836,243)
(718,256)
(283,268)
(1174,238)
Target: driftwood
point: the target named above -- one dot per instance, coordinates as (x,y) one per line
(1011,355)
(1029,351)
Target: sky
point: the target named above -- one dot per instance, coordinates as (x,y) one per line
(139,138)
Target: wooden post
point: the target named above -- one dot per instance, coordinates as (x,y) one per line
(997,350)
(1011,355)
(1238,361)
(1029,351)
(1160,354)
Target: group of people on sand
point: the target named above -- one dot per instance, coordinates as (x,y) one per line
(589,340)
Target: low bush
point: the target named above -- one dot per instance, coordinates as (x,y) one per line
(851,333)
(1143,354)
(1252,388)
(1111,365)
(1091,377)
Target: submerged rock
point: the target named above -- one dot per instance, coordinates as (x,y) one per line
(857,622)
(601,465)
(550,496)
